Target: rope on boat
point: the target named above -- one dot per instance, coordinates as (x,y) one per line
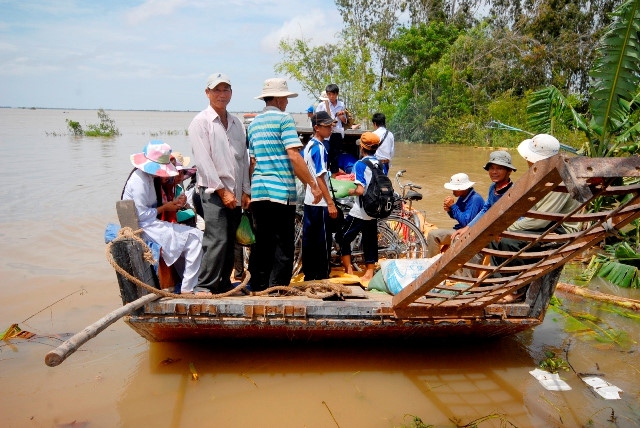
(312,289)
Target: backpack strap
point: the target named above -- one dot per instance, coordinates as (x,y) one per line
(383,137)
(370,164)
(328,107)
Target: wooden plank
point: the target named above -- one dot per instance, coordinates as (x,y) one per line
(524,194)
(127,214)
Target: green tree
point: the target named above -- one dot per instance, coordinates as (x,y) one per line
(609,123)
(346,64)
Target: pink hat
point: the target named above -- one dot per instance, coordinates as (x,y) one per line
(155,159)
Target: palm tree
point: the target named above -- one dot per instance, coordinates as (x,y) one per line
(614,93)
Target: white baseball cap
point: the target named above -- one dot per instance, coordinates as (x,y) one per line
(216,78)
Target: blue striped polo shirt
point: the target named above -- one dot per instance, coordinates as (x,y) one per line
(270,134)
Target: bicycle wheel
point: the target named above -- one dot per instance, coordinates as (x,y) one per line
(399,238)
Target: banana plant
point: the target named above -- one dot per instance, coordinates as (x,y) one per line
(614,94)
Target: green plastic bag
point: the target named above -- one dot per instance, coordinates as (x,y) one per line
(341,187)
(244,234)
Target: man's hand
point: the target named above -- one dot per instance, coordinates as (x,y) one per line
(316,192)
(333,211)
(448,202)
(458,233)
(246,201)
(228,198)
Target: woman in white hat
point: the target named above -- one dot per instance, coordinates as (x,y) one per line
(175,240)
(463,210)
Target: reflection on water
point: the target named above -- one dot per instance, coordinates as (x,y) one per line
(55,208)
(372,384)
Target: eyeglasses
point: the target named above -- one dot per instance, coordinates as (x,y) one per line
(330,125)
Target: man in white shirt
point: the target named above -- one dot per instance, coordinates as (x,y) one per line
(336,110)
(219,145)
(386,150)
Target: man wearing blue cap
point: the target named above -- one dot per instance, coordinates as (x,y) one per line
(309,114)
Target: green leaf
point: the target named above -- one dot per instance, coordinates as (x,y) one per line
(616,72)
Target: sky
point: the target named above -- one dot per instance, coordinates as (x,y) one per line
(150,54)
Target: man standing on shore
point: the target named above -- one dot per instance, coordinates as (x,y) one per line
(274,149)
(218,142)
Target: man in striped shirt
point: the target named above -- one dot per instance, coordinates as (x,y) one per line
(274,150)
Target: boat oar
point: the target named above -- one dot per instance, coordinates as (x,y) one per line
(71,345)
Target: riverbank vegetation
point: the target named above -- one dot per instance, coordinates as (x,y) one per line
(443,71)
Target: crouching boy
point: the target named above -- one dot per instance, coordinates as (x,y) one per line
(357,220)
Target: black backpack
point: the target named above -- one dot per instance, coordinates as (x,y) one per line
(377,200)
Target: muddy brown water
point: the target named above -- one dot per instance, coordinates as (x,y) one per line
(59,193)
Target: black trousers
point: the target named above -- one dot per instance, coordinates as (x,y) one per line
(271,259)
(316,243)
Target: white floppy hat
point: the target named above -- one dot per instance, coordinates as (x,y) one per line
(459,181)
(323,96)
(541,146)
(216,78)
(276,87)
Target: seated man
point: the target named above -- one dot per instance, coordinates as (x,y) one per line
(499,168)
(541,146)
(469,204)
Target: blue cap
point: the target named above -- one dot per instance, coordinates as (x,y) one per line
(310,109)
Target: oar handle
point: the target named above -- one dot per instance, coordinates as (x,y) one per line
(58,355)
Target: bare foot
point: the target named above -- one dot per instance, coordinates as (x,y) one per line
(366,277)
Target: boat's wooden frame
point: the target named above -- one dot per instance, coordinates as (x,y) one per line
(431,305)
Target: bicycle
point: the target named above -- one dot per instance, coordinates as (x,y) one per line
(398,238)
(403,206)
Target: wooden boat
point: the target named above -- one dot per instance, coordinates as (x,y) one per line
(439,302)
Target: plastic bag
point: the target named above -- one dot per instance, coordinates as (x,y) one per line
(244,234)
(341,187)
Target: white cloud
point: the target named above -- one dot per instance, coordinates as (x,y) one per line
(316,26)
(152,8)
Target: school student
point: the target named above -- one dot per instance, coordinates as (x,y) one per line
(357,220)
(316,235)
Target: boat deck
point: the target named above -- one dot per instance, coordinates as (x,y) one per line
(440,301)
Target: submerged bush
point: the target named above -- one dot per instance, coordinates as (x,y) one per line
(106,128)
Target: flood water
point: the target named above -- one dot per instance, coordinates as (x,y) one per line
(58,195)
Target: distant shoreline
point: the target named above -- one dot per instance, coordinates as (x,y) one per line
(107,109)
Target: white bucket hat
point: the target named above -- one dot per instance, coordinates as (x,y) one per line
(216,78)
(276,87)
(541,146)
(323,96)
(459,181)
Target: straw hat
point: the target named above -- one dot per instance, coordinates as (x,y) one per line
(155,159)
(182,160)
(276,87)
(541,146)
(459,181)
(500,157)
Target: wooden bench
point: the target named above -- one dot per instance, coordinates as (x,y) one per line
(585,179)
(128,217)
